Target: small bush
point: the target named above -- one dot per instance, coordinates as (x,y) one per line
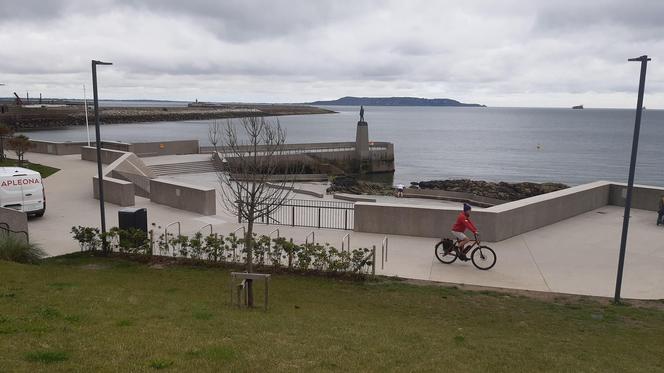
(277,252)
(87,237)
(15,249)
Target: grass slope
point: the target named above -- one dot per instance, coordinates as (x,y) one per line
(96,314)
(45,171)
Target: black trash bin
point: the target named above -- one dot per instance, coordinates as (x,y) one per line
(133,218)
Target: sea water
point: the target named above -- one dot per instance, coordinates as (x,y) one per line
(496,144)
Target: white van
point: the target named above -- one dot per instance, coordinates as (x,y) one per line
(22,189)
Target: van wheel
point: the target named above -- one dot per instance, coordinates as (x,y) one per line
(39,214)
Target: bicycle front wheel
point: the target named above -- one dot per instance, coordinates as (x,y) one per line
(444,257)
(483,258)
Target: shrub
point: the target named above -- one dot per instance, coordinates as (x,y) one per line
(196,244)
(15,249)
(87,237)
(214,247)
(130,240)
(277,252)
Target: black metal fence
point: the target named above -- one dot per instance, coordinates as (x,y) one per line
(312,213)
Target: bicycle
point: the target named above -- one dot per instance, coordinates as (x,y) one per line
(483,257)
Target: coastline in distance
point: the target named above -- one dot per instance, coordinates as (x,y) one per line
(393,101)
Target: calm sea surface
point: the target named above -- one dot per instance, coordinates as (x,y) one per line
(498,144)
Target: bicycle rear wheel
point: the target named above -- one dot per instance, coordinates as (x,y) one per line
(483,258)
(446,258)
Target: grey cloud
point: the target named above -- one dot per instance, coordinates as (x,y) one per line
(322,48)
(235,20)
(571,16)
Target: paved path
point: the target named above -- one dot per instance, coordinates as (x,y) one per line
(578,255)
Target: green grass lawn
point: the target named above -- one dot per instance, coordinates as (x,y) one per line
(97,314)
(45,171)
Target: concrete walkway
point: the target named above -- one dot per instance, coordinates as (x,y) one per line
(578,255)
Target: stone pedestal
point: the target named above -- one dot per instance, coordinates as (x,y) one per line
(362,141)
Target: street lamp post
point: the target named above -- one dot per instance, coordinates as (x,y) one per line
(100,177)
(632,165)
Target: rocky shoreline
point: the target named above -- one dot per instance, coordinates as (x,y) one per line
(350,185)
(25,119)
(500,191)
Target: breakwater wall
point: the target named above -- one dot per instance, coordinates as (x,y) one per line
(332,158)
(38,118)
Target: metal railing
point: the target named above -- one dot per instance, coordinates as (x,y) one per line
(312,234)
(166,233)
(345,239)
(311,213)
(244,236)
(205,226)
(269,248)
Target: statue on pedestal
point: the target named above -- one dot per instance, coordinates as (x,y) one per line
(362,113)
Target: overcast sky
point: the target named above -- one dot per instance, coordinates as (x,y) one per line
(498,53)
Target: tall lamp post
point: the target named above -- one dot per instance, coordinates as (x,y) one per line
(100,177)
(630,181)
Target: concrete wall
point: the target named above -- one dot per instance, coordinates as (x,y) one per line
(108,156)
(57,148)
(288,178)
(142,149)
(319,157)
(183,196)
(452,196)
(410,220)
(116,191)
(130,168)
(496,223)
(643,197)
(522,216)
(116,145)
(352,198)
(151,149)
(14,220)
(295,190)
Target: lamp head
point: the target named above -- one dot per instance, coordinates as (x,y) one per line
(641,59)
(95,62)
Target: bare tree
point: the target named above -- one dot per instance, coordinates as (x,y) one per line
(20,144)
(214,133)
(248,186)
(5,132)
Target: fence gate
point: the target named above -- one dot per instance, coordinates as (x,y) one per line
(312,213)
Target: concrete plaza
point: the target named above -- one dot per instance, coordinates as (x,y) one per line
(578,255)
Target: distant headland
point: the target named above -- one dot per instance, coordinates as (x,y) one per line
(394,101)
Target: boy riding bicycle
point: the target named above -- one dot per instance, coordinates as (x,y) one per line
(462,224)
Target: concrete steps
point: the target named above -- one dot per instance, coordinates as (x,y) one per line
(198,167)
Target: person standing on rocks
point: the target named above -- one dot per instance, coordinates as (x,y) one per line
(459,228)
(400,188)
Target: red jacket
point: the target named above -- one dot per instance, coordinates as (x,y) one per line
(463,223)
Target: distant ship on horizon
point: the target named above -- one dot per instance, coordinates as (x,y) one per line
(577,107)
